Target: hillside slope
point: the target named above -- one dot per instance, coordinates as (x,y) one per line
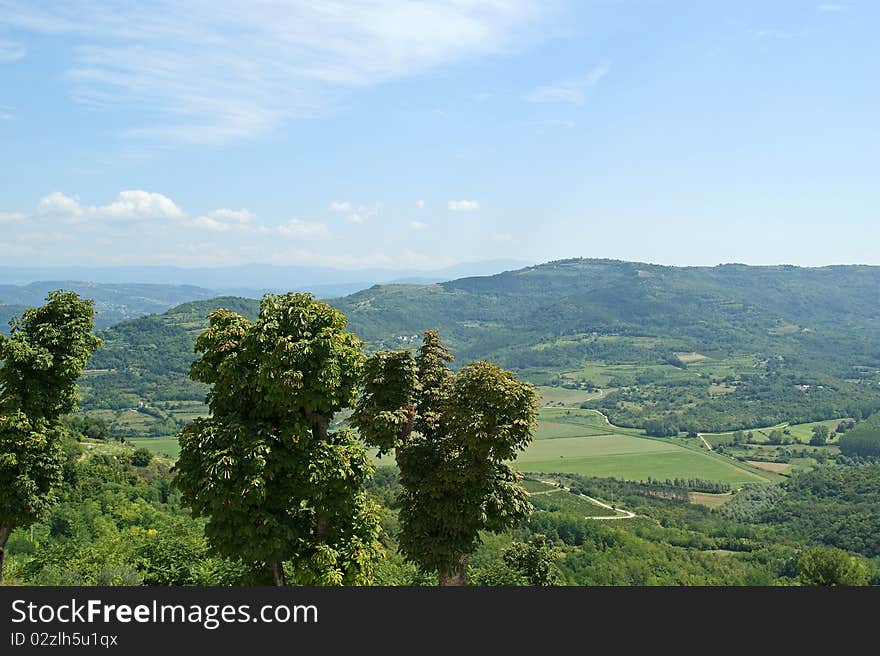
(700,348)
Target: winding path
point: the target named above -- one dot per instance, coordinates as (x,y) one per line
(626,513)
(708,446)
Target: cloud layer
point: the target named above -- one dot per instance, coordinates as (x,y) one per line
(216,72)
(463,205)
(146,227)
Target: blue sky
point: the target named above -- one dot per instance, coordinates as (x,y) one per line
(425,133)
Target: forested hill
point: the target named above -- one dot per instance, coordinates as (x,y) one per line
(547,315)
(710,347)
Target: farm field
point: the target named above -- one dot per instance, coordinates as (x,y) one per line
(580,442)
(641,466)
(563,397)
(162,445)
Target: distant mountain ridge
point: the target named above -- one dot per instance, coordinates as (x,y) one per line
(113,302)
(128,292)
(251,276)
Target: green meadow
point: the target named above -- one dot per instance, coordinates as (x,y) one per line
(581,442)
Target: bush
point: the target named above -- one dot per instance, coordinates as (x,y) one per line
(141,457)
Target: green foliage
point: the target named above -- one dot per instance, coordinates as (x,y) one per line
(452,436)
(535,560)
(141,457)
(274,484)
(39,364)
(118,524)
(31,461)
(661,428)
(385,410)
(820,435)
(833,506)
(830,567)
(751,502)
(44,354)
(862,441)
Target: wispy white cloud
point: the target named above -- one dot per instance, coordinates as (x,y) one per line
(299,229)
(420,204)
(216,72)
(11,51)
(11,217)
(463,205)
(418,225)
(224,220)
(569,91)
(340,206)
(830,7)
(357,214)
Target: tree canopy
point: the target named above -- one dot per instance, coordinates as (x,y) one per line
(275,484)
(40,362)
(452,435)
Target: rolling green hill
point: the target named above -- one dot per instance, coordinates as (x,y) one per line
(690,349)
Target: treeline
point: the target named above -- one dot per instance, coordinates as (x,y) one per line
(758,400)
(862,441)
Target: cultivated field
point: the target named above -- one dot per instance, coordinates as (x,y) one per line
(162,445)
(581,442)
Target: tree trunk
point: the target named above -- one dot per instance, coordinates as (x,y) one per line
(456,575)
(319,425)
(319,434)
(4,536)
(407,429)
(277,569)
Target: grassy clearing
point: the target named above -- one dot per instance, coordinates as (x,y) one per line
(709,500)
(775,467)
(803,432)
(690,358)
(133,421)
(168,446)
(565,398)
(554,423)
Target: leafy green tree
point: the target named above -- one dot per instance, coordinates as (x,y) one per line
(40,362)
(451,435)
(141,457)
(536,560)
(275,484)
(820,435)
(827,567)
